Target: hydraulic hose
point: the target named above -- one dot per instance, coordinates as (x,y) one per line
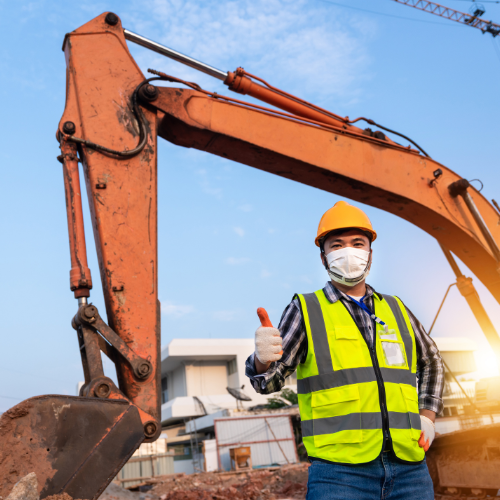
(141,120)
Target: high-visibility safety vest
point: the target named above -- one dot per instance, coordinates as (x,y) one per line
(352,395)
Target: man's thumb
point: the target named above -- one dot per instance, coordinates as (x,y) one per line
(264,318)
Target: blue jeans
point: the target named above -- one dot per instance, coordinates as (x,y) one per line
(382,479)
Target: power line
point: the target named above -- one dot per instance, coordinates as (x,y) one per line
(10,397)
(497,50)
(387,15)
(21,372)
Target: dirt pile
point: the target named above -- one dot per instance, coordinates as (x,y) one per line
(462,497)
(287,482)
(17,458)
(280,483)
(62,496)
(25,489)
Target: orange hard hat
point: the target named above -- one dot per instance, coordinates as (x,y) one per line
(343,216)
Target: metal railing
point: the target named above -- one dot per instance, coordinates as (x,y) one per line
(138,469)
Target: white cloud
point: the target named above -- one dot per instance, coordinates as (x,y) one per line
(245,208)
(265,273)
(176,310)
(314,49)
(239,231)
(225,315)
(207,185)
(236,261)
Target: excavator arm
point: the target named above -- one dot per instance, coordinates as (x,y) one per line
(77,445)
(111,121)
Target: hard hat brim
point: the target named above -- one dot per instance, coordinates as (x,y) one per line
(364,229)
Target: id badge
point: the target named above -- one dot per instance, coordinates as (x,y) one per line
(393,355)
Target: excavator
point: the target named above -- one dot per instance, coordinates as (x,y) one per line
(112,118)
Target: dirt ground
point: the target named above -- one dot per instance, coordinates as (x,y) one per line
(287,482)
(280,483)
(448,497)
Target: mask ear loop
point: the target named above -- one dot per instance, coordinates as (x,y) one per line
(323,254)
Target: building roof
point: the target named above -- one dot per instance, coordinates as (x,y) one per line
(179,350)
(454,344)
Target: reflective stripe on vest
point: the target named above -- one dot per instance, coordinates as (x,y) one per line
(338,390)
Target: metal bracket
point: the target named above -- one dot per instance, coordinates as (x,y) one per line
(88,318)
(459,188)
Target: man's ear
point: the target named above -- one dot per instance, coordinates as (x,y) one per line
(322,255)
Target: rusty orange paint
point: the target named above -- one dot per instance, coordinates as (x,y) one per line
(80,278)
(122,195)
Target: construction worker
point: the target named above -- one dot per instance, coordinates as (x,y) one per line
(358,356)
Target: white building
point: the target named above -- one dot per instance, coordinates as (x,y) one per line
(459,414)
(196,372)
(458,353)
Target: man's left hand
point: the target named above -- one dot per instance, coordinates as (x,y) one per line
(428,432)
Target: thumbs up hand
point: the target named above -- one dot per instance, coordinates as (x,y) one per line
(268,346)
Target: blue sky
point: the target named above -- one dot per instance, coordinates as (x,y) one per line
(233,238)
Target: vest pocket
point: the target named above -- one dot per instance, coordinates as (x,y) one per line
(347,332)
(336,416)
(411,399)
(346,348)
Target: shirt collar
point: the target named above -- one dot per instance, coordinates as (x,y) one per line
(333,294)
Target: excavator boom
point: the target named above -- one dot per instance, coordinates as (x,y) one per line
(111,121)
(78,445)
(364,169)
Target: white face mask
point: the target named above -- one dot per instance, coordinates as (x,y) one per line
(348,265)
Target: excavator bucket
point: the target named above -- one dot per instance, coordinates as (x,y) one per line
(75,445)
(466,462)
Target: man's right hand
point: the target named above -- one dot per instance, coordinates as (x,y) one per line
(268,344)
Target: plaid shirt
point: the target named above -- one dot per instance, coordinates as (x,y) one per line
(430,370)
